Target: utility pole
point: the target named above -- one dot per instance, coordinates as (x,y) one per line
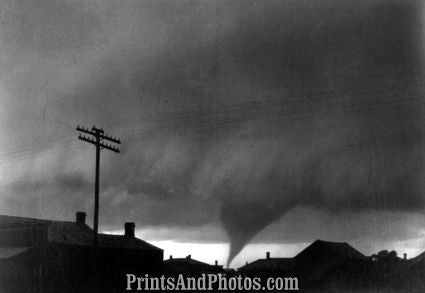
(97,138)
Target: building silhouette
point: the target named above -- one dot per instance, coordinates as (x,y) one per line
(322,256)
(326,266)
(42,256)
(190,266)
(269,266)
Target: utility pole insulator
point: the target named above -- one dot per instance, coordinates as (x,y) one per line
(96,138)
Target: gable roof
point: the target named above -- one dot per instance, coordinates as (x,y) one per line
(121,241)
(7,252)
(416,263)
(65,232)
(185,261)
(324,251)
(13,222)
(419,258)
(269,264)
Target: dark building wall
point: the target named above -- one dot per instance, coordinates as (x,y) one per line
(23,236)
(75,268)
(20,273)
(40,260)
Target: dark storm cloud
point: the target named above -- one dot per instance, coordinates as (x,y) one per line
(229,112)
(63,182)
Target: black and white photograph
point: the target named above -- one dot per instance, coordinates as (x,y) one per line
(212,146)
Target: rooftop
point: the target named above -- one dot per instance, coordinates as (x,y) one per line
(188,260)
(321,249)
(6,252)
(268,264)
(76,233)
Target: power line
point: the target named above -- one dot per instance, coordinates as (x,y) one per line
(96,137)
(270,106)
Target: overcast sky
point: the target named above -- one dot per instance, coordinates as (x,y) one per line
(275,122)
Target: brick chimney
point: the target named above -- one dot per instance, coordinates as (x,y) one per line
(80,218)
(129,229)
(216,263)
(268,255)
(171,257)
(405,256)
